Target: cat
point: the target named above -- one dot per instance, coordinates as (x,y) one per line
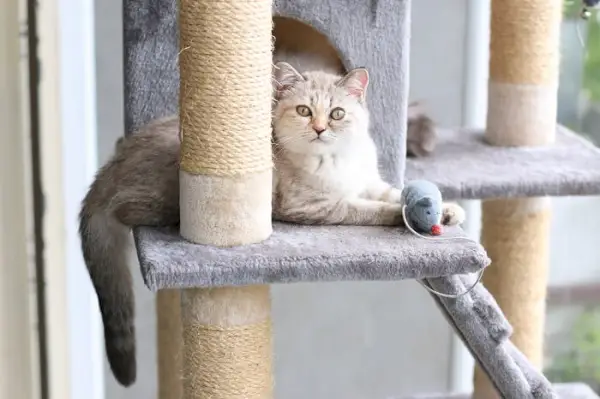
(326,161)
(325,173)
(421,137)
(139,185)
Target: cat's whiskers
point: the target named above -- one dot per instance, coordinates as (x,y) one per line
(332,135)
(289,139)
(281,144)
(286,141)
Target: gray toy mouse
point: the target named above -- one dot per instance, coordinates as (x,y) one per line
(423,201)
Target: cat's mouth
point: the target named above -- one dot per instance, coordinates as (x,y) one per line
(318,140)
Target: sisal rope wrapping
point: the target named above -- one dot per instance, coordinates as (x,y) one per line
(225,189)
(524,41)
(225,66)
(484,389)
(524,59)
(170,342)
(515,234)
(227,336)
(225,113)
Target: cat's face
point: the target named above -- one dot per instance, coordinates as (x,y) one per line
(319,113)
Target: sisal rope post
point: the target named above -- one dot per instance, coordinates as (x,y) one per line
(169,340)
(522,106)
(225,189)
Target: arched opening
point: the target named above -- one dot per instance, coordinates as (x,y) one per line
(295,36)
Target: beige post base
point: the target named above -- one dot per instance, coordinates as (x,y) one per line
(227,338)
(243,218)
(170,343)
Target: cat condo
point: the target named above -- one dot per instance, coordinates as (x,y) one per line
(211,61)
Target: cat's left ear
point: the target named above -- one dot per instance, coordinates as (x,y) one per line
(356,82)
(284,76)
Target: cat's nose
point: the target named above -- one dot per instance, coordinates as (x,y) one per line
(318,129)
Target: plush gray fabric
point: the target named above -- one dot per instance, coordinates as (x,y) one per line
(151,74)
(472,328)
(479,322)
(564,391)
(540,386)
(464,166)
(296,253)
(356,28)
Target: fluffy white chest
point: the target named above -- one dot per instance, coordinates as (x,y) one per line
(340,175)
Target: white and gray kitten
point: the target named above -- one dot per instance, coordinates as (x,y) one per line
(326,167)
(327,177)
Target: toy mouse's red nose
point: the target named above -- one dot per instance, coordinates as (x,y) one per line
(436,230)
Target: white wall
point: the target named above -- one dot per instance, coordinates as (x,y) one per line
(438,57)
(574,243)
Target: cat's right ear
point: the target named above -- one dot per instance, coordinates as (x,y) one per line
(356,82)
(284,77)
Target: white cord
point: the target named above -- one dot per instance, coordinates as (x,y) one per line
(585,15)
(579,35)
(454,296)
(428,288)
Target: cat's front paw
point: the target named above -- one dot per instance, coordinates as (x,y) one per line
(394,196)
(452,214)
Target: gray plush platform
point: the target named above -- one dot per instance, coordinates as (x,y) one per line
(465,167)
(564,391)
(297,253)
(480,324)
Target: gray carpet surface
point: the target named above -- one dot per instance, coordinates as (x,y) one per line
(296,253)
(564,391)
(465,167)
(480,324)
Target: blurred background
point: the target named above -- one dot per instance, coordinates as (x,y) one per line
(331,340)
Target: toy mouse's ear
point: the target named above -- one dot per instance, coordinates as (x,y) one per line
(425,202)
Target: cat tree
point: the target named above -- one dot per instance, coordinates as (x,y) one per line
(228,252)
(522,109)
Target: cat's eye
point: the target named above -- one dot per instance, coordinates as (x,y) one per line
(303,110)
(337,114)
